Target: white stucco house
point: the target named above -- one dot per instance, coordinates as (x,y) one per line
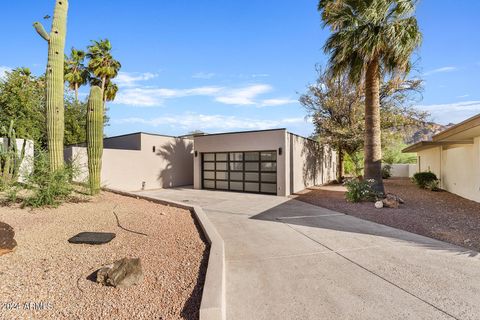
(263,161)
(454,156)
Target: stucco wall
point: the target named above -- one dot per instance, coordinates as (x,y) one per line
(245,141)
(430,160)
(458,168)
(170,165)
(26,166)
(461,170)
(126,142)
(310,163)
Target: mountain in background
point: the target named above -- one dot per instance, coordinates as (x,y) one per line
(426,132)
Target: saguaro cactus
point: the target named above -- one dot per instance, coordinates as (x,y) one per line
(95,138)
(55,82)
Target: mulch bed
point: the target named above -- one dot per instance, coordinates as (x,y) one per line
(440,215)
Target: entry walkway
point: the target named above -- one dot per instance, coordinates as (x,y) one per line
(290,260)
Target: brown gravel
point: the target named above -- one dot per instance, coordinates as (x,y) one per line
(440,215)
(50,274)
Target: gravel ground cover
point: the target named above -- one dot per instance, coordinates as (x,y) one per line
(48,278)
(440,215)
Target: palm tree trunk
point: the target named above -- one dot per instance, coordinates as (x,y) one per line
(76,93)
(373,145)
(104,81)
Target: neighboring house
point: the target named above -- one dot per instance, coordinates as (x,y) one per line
(454,156)
(264,161)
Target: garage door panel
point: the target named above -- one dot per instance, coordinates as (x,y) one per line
(248,171)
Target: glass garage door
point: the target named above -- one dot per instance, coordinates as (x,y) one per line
(253,171)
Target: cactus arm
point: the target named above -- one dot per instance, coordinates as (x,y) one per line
(95,138)
(41,31)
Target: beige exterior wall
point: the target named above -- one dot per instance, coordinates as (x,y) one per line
(170,165)
(458,168)
(310,163)
(245,141)
(430,160)
(126,142)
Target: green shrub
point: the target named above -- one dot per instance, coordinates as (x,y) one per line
(48,188)
(433,185)
(422,179)
(360,190)
(386,171)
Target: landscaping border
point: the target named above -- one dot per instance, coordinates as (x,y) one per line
(212,306)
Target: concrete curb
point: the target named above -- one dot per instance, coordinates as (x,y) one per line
(212,306)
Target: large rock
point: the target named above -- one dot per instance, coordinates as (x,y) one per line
(7,242)
(392,201)
(92,237)
(122,273)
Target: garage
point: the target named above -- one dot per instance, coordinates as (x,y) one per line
(242,171)
(273,161)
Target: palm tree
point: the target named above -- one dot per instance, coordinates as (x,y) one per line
(370,38)
(76,74)
(110,91)
(102,64)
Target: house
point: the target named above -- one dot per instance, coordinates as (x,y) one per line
(454,156)
(263,161)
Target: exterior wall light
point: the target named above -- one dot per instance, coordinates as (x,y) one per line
(280,151)
(196,153)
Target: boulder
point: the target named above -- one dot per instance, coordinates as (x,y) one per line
(7,242)
(122,273)
(378,204)
(92,237)
(390,203)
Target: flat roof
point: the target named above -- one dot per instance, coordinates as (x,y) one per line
(460,127)
(423,145)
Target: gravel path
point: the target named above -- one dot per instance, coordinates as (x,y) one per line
(48,274)
(440,215)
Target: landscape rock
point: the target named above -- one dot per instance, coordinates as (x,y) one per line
(7,242)
(92,237)
(122,273)
(379,204)
(390,203)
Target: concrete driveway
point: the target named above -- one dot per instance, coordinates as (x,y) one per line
(290,260)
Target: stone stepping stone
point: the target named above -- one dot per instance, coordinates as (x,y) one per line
(92,238)
(7,243)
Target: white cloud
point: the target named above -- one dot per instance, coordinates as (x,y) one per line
(131,79)
(440,70)
(192,121)
(243,96)
(452,112)
(203,75)
(277,102)
(4,69)
(149,97)
(464,96)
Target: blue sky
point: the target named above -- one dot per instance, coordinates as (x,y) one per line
(223,65)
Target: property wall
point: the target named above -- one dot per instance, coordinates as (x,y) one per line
(26,166)
(310,163)
(170,165)
(461,170)
(245,141)
(401,170)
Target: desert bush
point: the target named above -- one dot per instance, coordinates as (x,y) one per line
(433,185)
(48,188)
(360,190)
(386,171)
(422,179)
